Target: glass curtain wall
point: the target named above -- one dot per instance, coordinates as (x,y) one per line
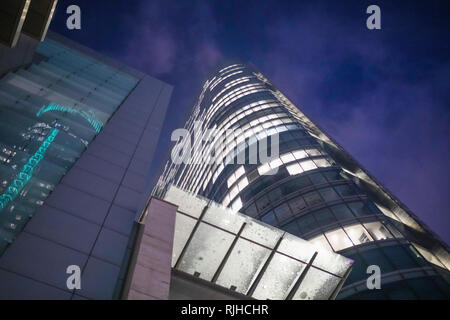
(312,188)
(49,113)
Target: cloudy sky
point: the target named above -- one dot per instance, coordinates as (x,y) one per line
(384,95)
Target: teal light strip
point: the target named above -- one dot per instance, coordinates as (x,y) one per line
(97,124)
(26,173)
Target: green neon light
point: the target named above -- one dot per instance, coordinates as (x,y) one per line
(97,124)
(26,173)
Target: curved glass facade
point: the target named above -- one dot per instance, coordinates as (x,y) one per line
(304,183)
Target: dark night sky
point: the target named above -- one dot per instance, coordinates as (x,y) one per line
(382,94)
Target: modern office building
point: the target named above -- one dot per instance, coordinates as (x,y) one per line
(306,184)
(77,136)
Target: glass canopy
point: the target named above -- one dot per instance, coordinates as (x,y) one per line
(242,254)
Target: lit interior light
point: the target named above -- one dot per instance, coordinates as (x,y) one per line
(308,165)
(275,163)
(263,169)
(294,169)
(237,204)
(299,154)
(286,158)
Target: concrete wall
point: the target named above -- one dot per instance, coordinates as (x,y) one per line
(150,273)
(87,219)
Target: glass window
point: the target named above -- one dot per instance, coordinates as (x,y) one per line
(297,204)
(329,194)
(308,165)
(342,212)
(299,154)
(376,257)
(313,152)
(317,178)
(398,291)
(312,198)
(358,234)
(399,256)
(294,169)
(428,255)
(262,203)
(359,208)
(333,175)
(251,210)
(393,230)
(286,158)
(321,162)
(291,227)
(283,212)
(324,217)
(237,204)
(426,289)
(345,190)
(269,218)
(295,184)
(275,195)
(307,223)
(338,239)
(243,183)
(378,230)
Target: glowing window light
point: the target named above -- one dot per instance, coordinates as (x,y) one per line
(242,183)
(26,173)
(275,163)
(96,124)
(299,154)
(262,169)
(288,157)
(237,204)
(308,165)
(294,169)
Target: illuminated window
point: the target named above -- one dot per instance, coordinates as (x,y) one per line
(320,242)
(237,204)
(299,154)
(308,165)
(275,163)
(243,183)
(294,169)
(378,230)
(286,158)
(263,169)
(358,234)
(338,239)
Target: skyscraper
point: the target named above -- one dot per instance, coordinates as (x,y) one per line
(306,184)
(77,136)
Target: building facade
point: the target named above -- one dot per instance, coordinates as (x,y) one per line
(302,182)
(77,135)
